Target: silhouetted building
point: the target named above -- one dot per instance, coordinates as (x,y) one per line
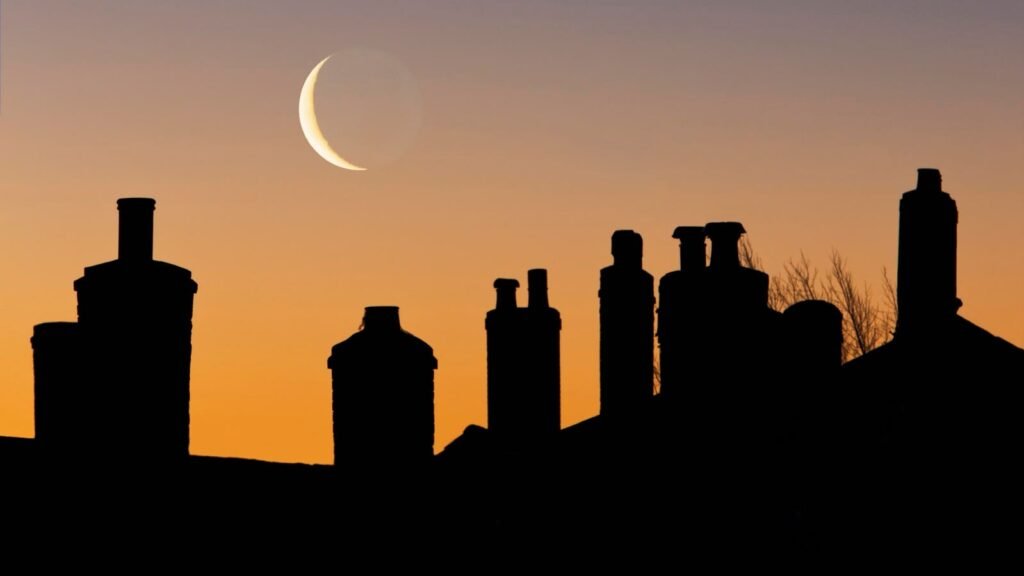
(523,362)
(123,370)
(627,327)
(760,442)
(931,417)
(383,394)
(931,338)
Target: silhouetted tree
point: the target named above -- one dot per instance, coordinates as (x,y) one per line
(867,323)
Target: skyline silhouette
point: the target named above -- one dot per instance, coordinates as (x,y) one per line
(498,139)
(759,439)
(118,379)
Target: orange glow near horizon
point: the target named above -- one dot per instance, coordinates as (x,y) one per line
(533,132)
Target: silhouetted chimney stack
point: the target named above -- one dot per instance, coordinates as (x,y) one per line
(135,234)
(382,396)
(542,343)
(627,327)
(60,389)
(523,368)
(926,275)
(682,309)
(692,248)
(725,238)
(135,325)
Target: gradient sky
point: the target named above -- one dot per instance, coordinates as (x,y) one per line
(499,136)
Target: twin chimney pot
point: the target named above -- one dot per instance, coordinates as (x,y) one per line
(523,363)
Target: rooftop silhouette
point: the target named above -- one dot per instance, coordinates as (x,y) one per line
(759,437)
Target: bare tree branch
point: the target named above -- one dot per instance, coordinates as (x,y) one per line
(749,258)
(891,303)
(866,325)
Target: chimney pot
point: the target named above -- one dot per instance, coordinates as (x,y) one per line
(537,285)
(381,317)
(929,180)
(135,229)
(725,237)
(506,289)
(692,248)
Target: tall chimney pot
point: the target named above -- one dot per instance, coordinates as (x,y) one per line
(537,285)
(135,229)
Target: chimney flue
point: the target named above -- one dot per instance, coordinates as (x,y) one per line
(725,238)
(506,289)
(692,249)
(537,285)
(135,229)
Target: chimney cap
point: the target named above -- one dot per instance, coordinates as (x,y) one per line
(501,283)
(725,228)
(688,232)
(136,203)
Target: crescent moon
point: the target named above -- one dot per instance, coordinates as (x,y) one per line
(310,127)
